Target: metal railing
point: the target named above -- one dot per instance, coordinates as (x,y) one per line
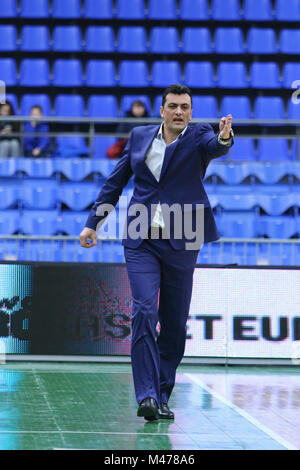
(226,251)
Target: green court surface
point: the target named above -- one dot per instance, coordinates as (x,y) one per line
(92,406)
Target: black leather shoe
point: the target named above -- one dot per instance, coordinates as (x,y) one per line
(148,409)
(164,412)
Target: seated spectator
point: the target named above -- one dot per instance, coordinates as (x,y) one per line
(138,110)
(36,145)
(9,144)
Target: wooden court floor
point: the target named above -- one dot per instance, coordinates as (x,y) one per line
(46,406)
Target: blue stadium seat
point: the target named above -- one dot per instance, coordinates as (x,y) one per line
(270,149)
(224,11)
(275,204)
(271,173)
(75,169)
(158,10)
(264,75)
(287,11)
(37,167)
(8,9)
(156,106)
(231,174)
(261,41)
(289,41)
(69,105)
(268,107)
(199,74)
(102,106)
(71,147)
(295,155)
(238,106)
(290,72)
(194,10)
(67,39)
(237,224)
(165,72)
(236,202)
(9,195)
(258,11)
(9,221)
(205,107)
(8,71)
(77,196)
(8,38)
(39,194)
(232,75)
(196,41)
(38,222)
(100,73)
(99,39)
(133,73)
(34,8)
(92,10)
(243,149)
(35,38)
(29,100)
(293,110)
(134,10)
(127,100)
(276,226)
(8,166)
(72,222)
(67,72)
(34,72)
(66,9)
(132,39)
(100,145)
(164,40)
(229,41)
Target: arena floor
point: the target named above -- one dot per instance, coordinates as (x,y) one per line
(92,406)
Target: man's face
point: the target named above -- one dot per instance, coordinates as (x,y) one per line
(176,112)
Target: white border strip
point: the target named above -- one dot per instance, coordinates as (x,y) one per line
(243,413)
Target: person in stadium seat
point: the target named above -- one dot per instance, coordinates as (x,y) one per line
(36,145)
(9,144)
(168,162)
(137,110)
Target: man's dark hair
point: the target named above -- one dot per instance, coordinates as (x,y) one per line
(176,89)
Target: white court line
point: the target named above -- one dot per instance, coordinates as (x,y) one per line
(243,413)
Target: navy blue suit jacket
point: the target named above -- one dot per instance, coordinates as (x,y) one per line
(180,182)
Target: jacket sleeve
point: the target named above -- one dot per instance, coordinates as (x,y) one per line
(207,141)
(111,190)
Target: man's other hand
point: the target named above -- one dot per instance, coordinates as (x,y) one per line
(88,234)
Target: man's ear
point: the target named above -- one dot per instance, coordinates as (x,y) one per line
(161,110)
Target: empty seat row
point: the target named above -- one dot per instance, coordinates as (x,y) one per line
(155,9)
(136,73)
(77,169)
(237,224)
(134,39)
(204,107)
(38,195)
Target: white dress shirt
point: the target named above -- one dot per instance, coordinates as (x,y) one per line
(154,161)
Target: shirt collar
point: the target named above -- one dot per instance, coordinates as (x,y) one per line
(160,133)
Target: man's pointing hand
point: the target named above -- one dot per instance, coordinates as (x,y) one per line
(225,126)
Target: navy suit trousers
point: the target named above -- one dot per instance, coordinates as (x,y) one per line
(161,281)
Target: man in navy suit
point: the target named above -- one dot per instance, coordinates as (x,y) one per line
(168,162)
